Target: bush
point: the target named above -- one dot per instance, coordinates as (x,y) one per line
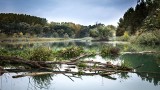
(133,39)
(4,52)
(41,54)
(26,54)
(109,51)
(70,52)
(125,37)
(149,38)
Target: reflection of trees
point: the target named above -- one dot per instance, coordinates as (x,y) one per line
(94,46)
(42,81)
(150,77)
(150,69)
(123,75)
(17,46)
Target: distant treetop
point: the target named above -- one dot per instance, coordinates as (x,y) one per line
(17,18)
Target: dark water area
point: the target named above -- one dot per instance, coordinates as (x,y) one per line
(146,78)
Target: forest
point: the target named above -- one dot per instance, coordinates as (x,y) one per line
(142,22)
(22,25)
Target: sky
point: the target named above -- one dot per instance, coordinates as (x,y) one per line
(85,12)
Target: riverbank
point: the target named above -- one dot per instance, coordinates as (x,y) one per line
(29,39)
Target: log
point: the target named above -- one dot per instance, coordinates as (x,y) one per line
(81,56)
(32,74)
(54,72)
(2,71)
(142,52)
(18,60)
(109,77)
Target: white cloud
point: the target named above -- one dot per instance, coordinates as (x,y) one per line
(78,11)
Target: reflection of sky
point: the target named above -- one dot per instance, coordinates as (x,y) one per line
(78,11)
(61,82)
(98,58)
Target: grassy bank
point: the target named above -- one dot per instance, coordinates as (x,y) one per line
(29,39)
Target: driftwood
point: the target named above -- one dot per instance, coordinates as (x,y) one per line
(106,75)
(81,56)
(41,67)
(18,60)
(32,74)
(2,71)
(142,52)
(44,65)
(70,61)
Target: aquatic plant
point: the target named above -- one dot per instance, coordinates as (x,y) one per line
(109,51)
(26,53)
(70,52)
(4,52)
(82,65)
(80,72)
(42,54)
(125,64)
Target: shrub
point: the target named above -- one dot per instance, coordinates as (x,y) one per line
(148,38)
(4,52)
(26,54)
(125,37)
(133,39)
(18,53)
(70,52)
(41,54)
(109,51)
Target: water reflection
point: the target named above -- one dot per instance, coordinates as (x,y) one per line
(150,70)
(148,77)
(43,81)
(125,47)
(61,82)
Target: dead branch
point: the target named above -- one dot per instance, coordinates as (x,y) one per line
(32,74)
(18,60)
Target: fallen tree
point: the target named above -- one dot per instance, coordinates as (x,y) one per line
(1,71)
(44,67)
(18,60)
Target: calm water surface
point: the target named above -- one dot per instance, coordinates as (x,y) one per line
(148,77)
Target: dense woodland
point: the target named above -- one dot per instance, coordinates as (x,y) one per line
(21,25)
(145,15)
(143,22)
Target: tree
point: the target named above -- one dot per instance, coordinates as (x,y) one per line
(3,35)
(104,33)
(94,33)
(20,34)
(37,29)
(66,35)
(133,19)
(55,34)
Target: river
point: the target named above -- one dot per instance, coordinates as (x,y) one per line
(147,78)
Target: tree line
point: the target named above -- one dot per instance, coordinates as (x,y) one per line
(20,25)
(141,24)
(135,19)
